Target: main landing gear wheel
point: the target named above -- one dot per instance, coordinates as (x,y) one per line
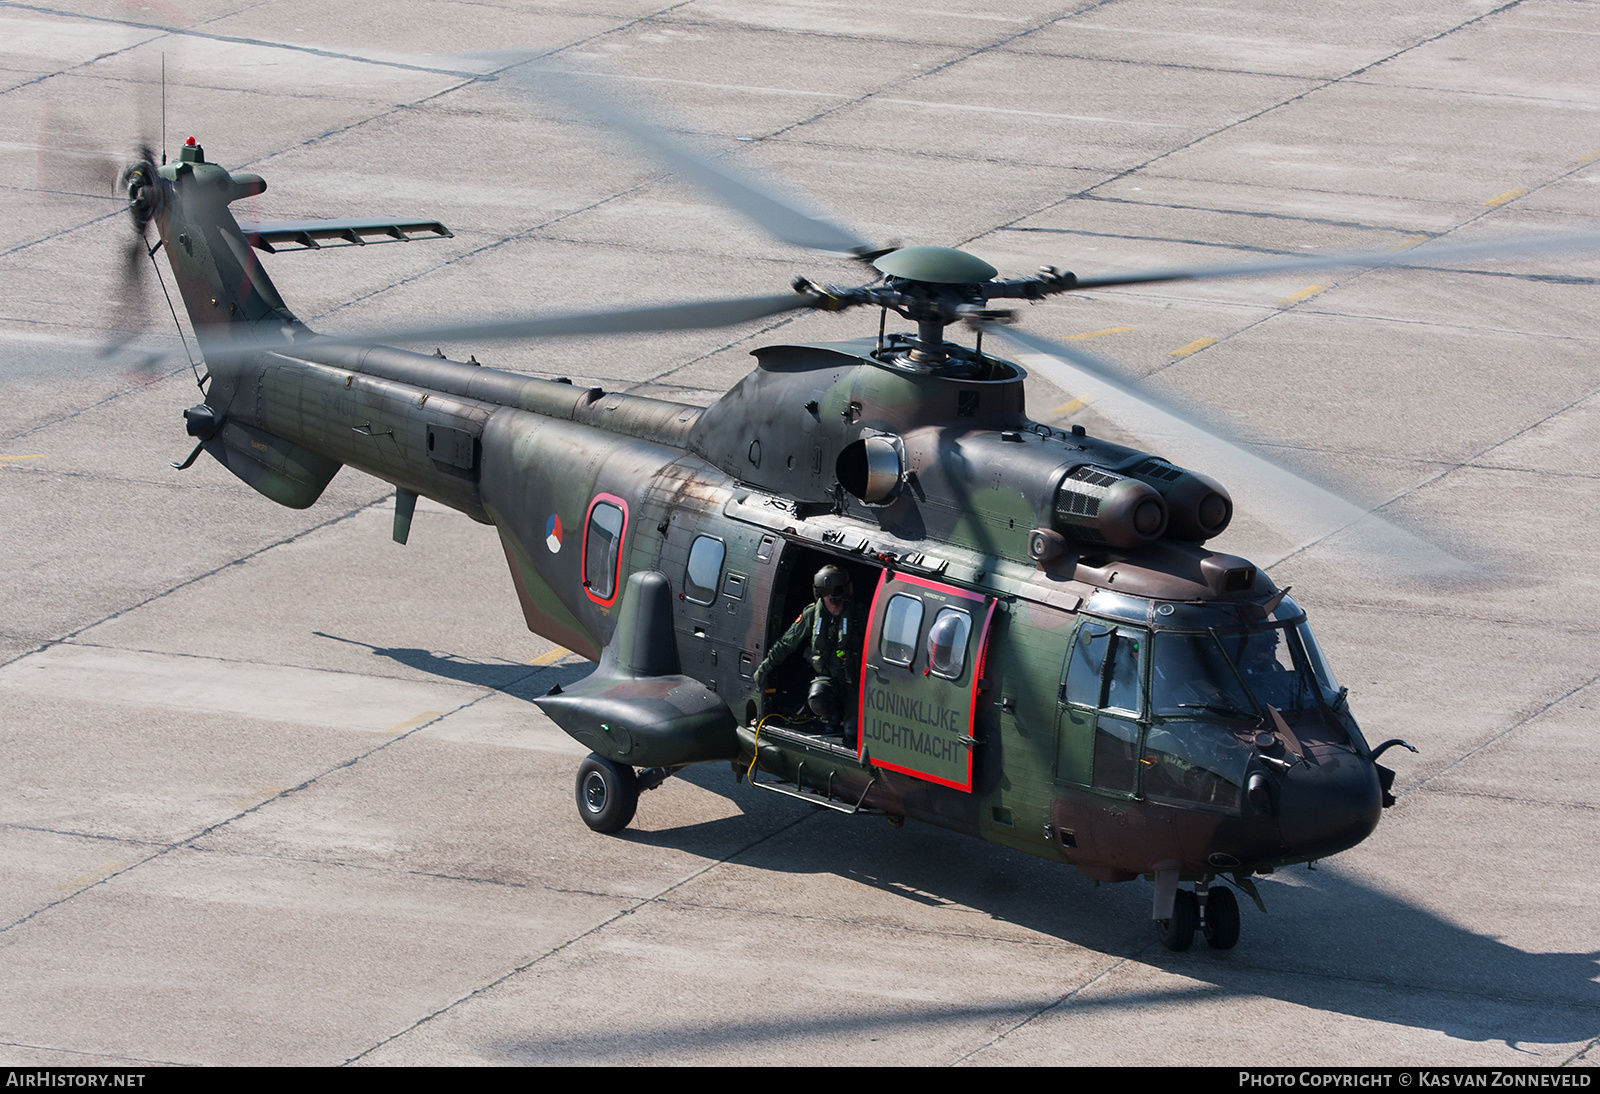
(1222,919)
(608,794)
(1177,933)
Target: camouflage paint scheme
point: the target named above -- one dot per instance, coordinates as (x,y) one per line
(760,470)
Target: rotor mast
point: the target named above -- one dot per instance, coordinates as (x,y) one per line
(934,287)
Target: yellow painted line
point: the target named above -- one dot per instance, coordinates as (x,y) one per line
(1097,333)
(1193,347)
(1591,157)
(1070,406)
(1408,243)
(550,657)
(256,797)
(36,456)
(1304,294)
(1509,195)
(412,723)
(95,875)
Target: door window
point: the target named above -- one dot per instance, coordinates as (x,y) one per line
(947,643)
(921,723)
(902,623)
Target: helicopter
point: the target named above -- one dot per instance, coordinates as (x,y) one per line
(1052,660)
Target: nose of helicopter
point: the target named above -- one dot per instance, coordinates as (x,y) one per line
(1330,805)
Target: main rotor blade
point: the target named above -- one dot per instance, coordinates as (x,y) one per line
(780,216)
(1299,511)
(701,315)
(1422,256)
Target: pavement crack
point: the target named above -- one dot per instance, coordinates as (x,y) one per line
(186,582)
(1042,1011)
(14,1069)
(636,904)
(139,385)
(13,826)
(1512,728)
(397,871)
(1515,799)
(188,841)
(1044,942)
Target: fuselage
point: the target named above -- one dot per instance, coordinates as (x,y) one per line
(1053,660)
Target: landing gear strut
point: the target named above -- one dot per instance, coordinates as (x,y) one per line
(1177,933)
(1212,911)
(1219,919)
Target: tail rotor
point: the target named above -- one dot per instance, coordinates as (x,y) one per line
(142,187)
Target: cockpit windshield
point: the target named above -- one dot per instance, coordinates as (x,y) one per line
(1276,668)
(1191,675)
(1237,671)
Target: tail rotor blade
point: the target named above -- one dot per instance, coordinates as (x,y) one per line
(128,311)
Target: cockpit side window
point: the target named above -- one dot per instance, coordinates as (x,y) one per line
(1103,669)
(1086,665)
(1318,663)
(1122,681)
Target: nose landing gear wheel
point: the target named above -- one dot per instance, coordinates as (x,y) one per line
(1177,933)
(608,794)
(1222,919)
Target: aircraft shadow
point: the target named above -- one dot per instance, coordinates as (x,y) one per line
(1330,942)
(522,681)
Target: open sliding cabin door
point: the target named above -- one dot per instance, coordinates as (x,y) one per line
(922,667)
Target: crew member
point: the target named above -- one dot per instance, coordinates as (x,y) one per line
(830,630)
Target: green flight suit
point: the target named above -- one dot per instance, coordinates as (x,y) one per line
(832,644)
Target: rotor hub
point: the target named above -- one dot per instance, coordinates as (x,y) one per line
(144,193)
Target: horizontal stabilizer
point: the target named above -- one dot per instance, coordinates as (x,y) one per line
(273,236)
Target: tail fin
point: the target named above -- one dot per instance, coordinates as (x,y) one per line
(223,286)
(228,295)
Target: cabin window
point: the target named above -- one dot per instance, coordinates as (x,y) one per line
(902,623)
(602,549)
(704,568)
(947,642)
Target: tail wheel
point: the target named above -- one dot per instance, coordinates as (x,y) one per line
(1222,919)
(1177,933)
(608,794)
